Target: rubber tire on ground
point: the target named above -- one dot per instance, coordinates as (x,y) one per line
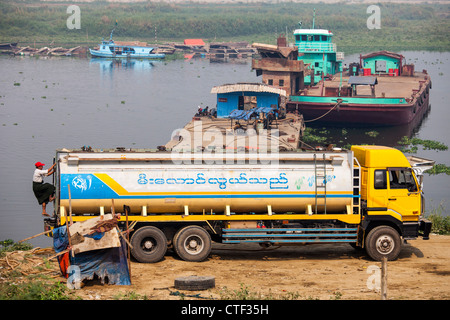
(145,237)
(196,234)
(383,241)
(195,283)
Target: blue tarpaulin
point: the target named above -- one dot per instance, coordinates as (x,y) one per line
(110,263)
(246,114)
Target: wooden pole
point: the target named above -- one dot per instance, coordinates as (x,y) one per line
(128,241)
(37,235)
(71,222)
(120,234)
(384,278)
(70,205)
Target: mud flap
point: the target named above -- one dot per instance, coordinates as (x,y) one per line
(425,228)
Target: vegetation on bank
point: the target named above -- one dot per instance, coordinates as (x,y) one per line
(403,27)
(24,275)
(440,221)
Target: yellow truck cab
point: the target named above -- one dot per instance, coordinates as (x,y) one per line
(391,198)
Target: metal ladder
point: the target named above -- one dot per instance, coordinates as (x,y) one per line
(356,187)
(320,172)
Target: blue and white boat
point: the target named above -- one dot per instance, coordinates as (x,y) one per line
(109,49)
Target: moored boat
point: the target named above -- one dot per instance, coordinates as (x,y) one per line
(380,89)
(376,95)
(110,49)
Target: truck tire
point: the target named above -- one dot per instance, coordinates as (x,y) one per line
(149,244)
(383,241)
(192,243)
(195,283)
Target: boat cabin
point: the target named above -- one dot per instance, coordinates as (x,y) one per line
(316,49)
(382,63)
(279,66)
(247,97)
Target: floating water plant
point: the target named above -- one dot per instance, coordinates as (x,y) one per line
(439,168)
(372,134)
(411,144)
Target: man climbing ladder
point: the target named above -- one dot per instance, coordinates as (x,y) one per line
(44,192)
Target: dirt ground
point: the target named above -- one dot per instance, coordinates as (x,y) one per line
(319,271)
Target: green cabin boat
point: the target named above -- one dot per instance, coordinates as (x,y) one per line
(381,89)
(318,52)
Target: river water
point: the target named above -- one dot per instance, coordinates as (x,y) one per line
(62,102)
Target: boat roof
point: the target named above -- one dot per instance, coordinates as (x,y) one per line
(248,87)
(109,43)
(284,51)
(383,53)
(364,80)
(194,42)
(313,31)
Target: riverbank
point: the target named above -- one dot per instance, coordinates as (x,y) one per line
(403,27)
(311,272)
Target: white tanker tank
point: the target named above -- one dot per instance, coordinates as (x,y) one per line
(152,182)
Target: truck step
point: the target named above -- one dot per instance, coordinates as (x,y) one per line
(290,235)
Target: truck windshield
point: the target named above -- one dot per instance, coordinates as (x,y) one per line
(402,179)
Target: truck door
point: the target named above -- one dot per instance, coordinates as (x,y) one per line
(403,193)
(379,193)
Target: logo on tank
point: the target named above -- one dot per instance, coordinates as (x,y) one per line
(82,183)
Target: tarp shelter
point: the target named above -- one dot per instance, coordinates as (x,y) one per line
(355,80)
(230,97)
(194,42)
(108,263)
(247,114)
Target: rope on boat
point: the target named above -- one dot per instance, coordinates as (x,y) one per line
(339,101)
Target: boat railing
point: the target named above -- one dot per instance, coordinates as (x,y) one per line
(311,46)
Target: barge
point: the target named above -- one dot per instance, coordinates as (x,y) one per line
(381,96)
(249,117)
(380,89)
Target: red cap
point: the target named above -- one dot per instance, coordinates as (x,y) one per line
(38,164)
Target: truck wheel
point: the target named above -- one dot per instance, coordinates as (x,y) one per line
(195,283)
(383,241)
(149,244)
(192,243)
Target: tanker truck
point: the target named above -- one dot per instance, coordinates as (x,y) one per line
(369,197)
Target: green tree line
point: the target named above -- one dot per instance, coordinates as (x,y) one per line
(403,26)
